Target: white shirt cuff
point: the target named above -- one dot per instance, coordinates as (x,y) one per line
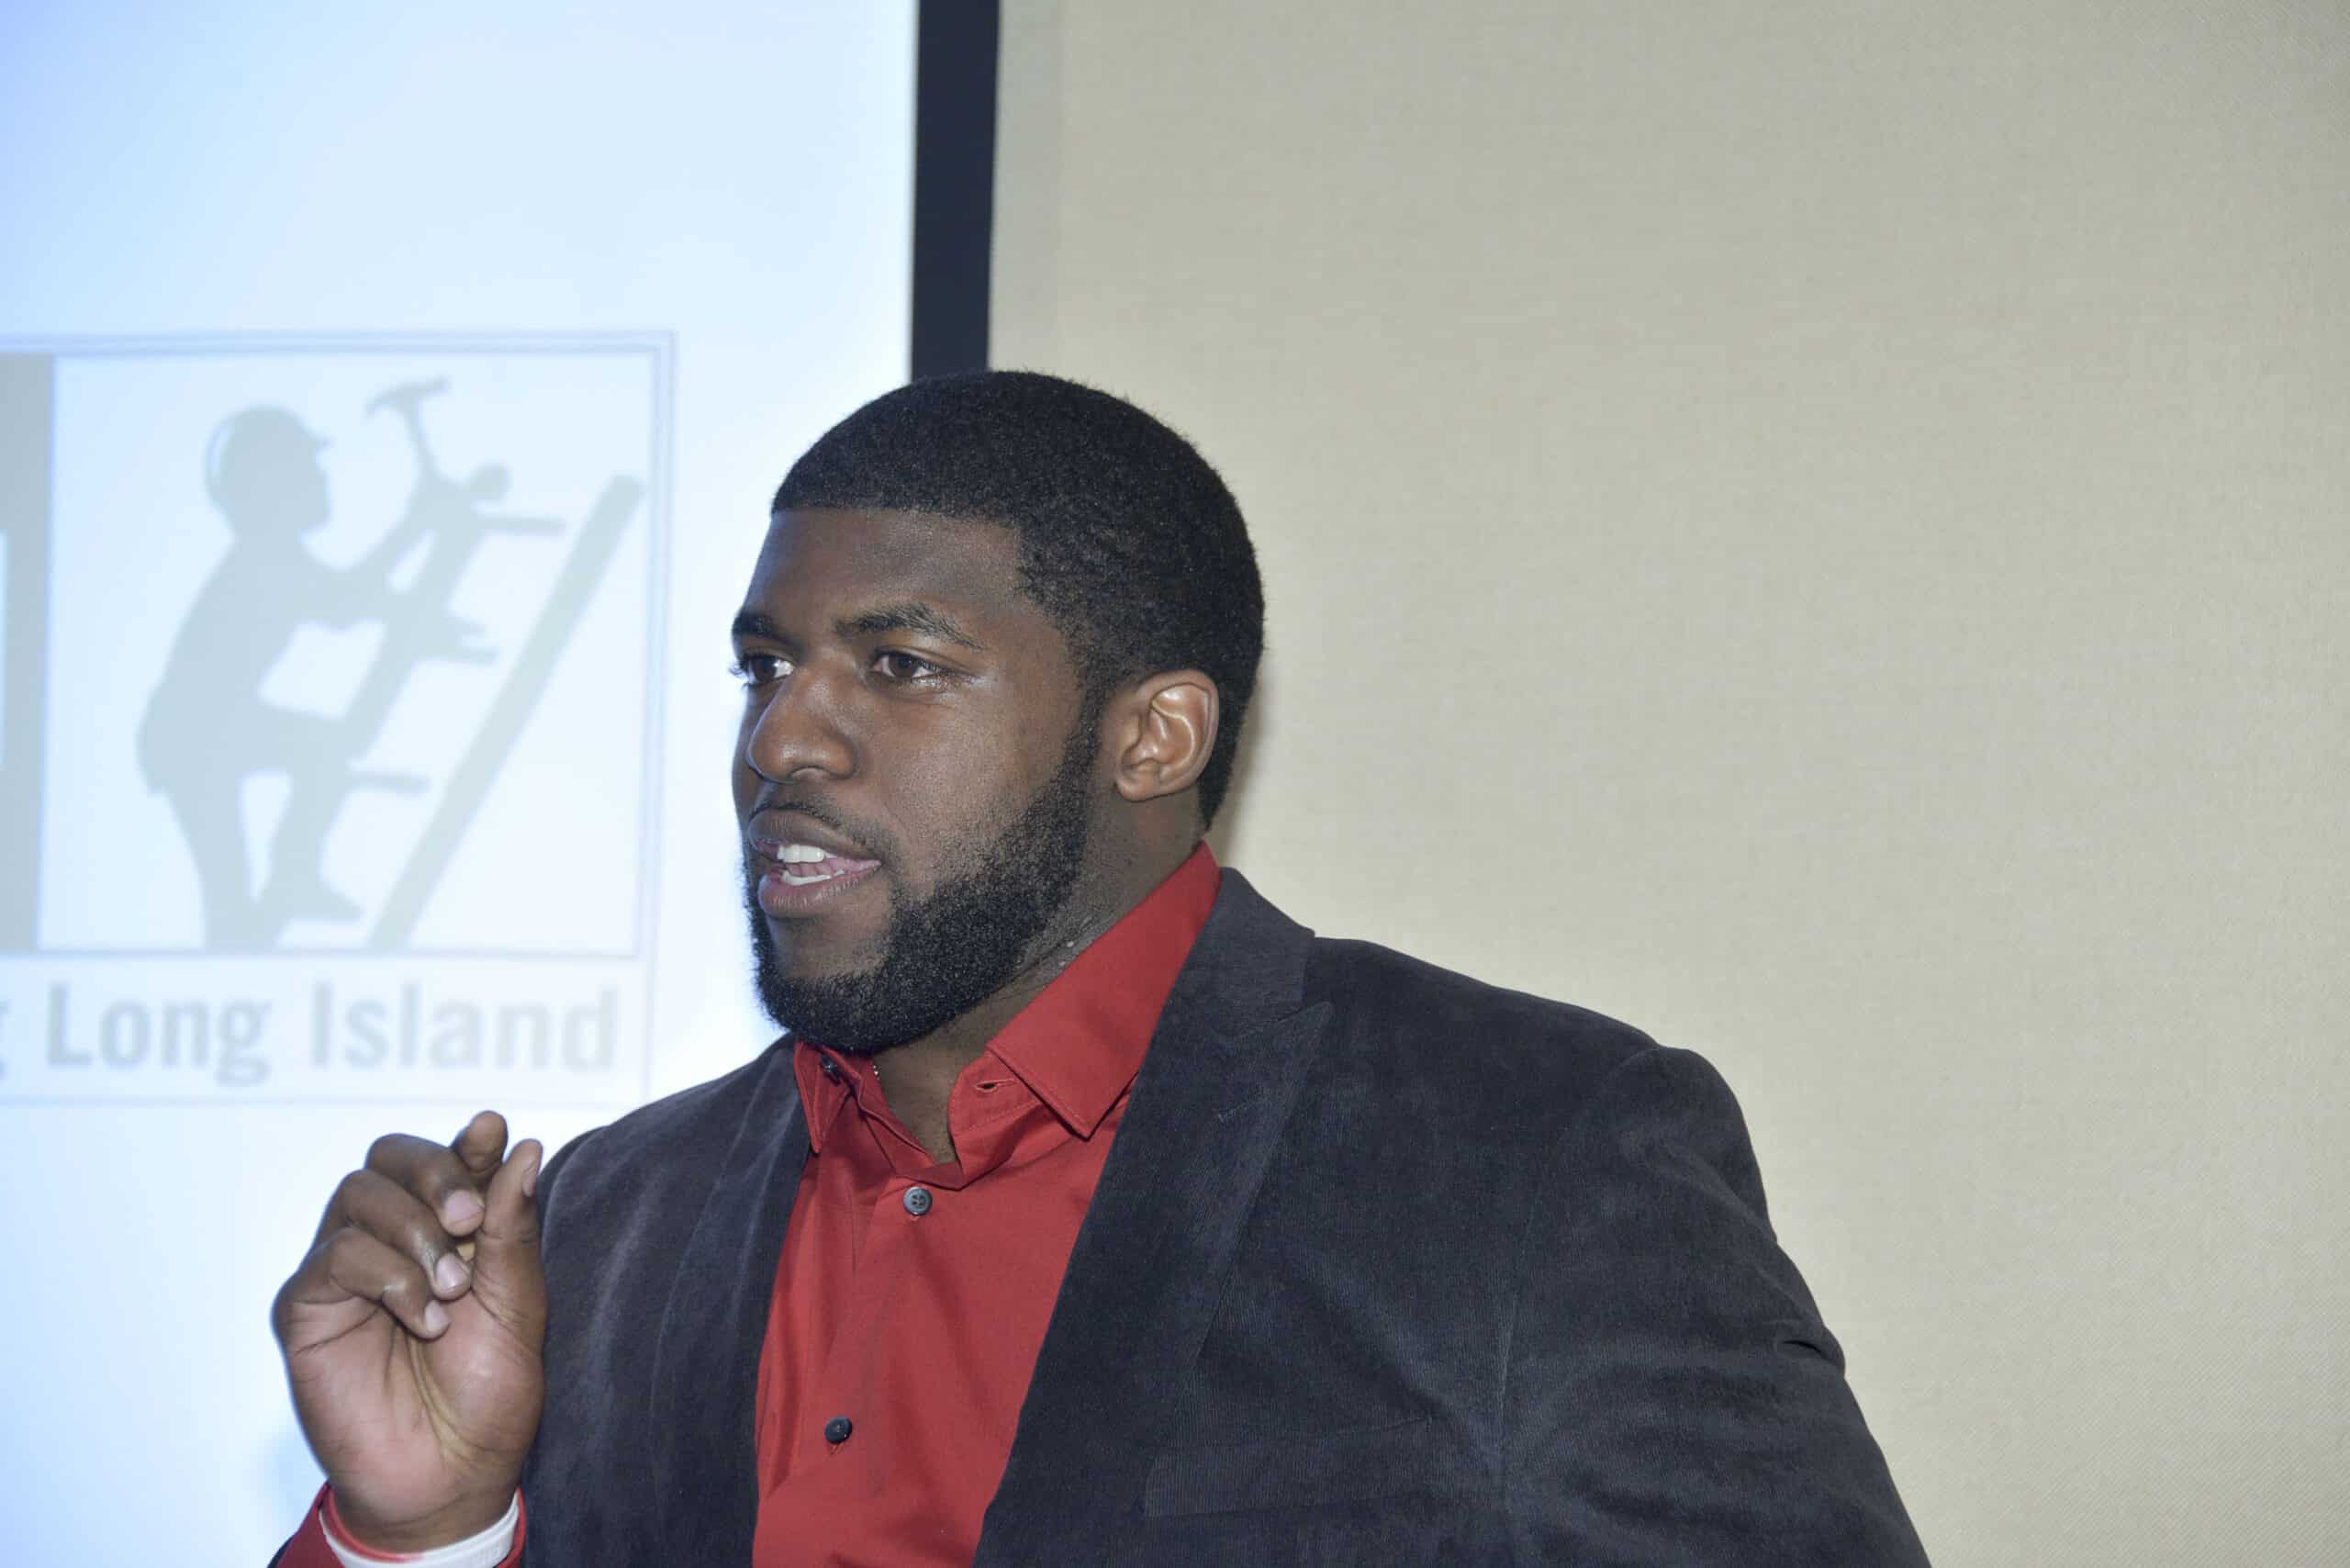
(486,1550)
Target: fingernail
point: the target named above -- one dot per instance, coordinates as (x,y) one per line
(449,1274)
(436,1317)
(462,1211)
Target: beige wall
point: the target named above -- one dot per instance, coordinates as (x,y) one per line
(1817,529)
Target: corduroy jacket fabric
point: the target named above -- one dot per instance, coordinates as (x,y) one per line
(1387,1266)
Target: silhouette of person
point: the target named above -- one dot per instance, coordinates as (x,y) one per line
(207,729)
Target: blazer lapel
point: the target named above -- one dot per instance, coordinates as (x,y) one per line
(705,1376)
(1231,1049)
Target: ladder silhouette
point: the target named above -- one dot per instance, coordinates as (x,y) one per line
(422,627)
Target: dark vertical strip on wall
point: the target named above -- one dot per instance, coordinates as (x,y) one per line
(954,182)
(27,419)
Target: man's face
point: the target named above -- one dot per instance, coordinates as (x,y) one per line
(912,777)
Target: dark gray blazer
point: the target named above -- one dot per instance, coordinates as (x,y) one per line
(1386,1267)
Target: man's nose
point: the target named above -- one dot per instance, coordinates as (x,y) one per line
(800,731)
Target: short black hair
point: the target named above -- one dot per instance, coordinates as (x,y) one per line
(1128,540)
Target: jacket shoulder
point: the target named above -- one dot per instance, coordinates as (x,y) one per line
(1416,1013)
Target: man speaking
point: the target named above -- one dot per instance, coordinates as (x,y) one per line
(1089,1210)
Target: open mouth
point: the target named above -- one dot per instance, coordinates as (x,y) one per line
(801,869)
(808,865)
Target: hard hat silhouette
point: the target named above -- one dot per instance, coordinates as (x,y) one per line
(261,461)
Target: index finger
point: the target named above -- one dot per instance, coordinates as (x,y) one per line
(481,1144)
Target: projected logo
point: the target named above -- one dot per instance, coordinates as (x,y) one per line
(327,727)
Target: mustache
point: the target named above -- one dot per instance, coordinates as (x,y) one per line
(824,813)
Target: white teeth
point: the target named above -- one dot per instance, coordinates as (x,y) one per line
(806,855)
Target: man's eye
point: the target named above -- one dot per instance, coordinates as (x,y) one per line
(904,668)
(757,669)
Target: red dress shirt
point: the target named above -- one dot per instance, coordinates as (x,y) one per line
(911,1296)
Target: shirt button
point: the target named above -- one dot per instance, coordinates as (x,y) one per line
(917,1201)
(831,1067)
(837,1430)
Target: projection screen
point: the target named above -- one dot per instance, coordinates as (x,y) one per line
(389,397)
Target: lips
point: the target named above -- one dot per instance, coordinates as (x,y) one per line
(803,865)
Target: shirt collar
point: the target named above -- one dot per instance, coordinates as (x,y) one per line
(1079,1042)
(1078,1045)
(828,1081)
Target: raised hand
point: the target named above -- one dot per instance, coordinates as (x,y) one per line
(413,1332)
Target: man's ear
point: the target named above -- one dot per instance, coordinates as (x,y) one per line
(1164,729)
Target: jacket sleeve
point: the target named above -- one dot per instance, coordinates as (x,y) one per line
(1673,1396)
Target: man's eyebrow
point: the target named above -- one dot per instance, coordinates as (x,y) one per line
(751,624)
(908,615)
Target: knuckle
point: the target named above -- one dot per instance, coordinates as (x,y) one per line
(421,1238)
(340,1252)
(436,1170)
(400,1219)
(404,1291)
(360,1196)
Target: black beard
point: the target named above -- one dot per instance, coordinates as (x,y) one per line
(951,951)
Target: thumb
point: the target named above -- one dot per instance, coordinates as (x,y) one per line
(506,1272)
